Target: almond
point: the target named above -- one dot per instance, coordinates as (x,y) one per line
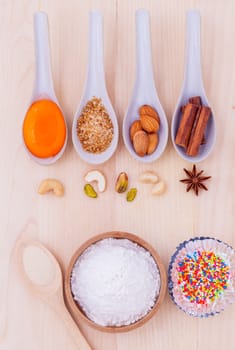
(135,126)
(140,143)
(150,111)
(153,142)
(149,123)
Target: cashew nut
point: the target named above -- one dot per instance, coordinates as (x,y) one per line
(98,177)
(159,188)
(148,177)
(51,185)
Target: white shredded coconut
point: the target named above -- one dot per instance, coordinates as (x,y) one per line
(115,281)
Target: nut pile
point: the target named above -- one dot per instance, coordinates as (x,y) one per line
(121,186)
(94,176)
(150,177)
(144,132)
(94,127)
(97,178)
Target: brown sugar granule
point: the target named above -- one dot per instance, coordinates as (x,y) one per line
(94,127)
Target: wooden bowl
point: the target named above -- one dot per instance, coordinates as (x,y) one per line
(73,306)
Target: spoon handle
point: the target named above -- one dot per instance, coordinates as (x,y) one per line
(77,336)
(95,75)
(144,74)
(43,86)
(193,82)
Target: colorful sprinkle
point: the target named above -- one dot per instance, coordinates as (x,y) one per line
(203,276)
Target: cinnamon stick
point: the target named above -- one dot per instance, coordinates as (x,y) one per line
(203,140)
(198,131)
(196,100)
(186,125)
(182,108)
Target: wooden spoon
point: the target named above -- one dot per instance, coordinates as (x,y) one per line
(42,273)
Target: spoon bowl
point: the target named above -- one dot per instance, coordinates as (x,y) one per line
(193,86)
(47,278)
(95,87)
(144,90)
(43,86)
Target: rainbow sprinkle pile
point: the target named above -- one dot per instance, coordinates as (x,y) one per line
(203,276)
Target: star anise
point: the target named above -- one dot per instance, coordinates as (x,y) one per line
(195,180)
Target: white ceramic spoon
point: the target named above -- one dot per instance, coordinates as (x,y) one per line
(95,86)
(193,86)
(144,89)
(41,271)
(43,85)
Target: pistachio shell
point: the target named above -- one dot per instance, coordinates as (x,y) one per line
(121,183)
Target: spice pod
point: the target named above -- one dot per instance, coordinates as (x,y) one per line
(193,130)
(112,308)
(95,127)
(201,276)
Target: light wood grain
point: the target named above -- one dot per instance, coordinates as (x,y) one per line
(63,224)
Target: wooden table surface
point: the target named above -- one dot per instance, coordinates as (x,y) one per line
(65,223)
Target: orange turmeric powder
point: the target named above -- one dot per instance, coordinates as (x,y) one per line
(44,129)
